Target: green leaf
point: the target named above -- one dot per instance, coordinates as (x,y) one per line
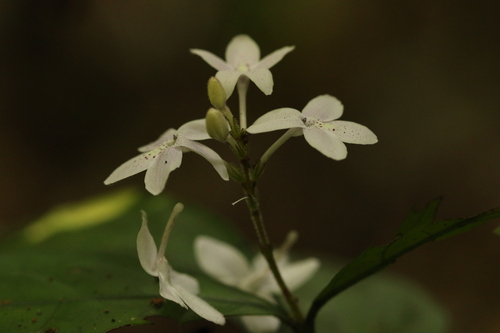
(86,277)
(416,219)
(419,228)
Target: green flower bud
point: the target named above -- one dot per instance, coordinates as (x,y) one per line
(217,125)
(216,93)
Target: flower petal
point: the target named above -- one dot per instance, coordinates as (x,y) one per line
(295,274)
(220,260)
(146,248)
(167,289)
(259,263)
(261,324)
(167,135)
(133,166)
(185,281)
(228,79)
(211,59)
(194,130)
(210,155)
(262,78)
(326,142)
(157,175)
(278,119)
(272,59)
(351,132)
(325,108)
(299,272)
(242,50)
(200,307)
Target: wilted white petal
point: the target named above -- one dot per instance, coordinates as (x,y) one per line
(326,142)
(200,307)
(133,166)
(167,290)
(167,135)
(194,130)
(276,120)
(220,260)
(210,155)
(242,50)
(228,79)
(325,108)
(261,324)
(185,281)
(262,78)
(146,248)
(272,59)
(350,132)
(157,175)
(174,286)
(211,59)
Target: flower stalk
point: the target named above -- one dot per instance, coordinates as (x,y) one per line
(266,248)
(267,251)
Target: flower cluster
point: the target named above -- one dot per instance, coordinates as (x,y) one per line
(317,122)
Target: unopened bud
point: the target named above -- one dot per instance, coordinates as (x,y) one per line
(217,125)
(216,93)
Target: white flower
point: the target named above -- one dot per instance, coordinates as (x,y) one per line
(225,263)
(176,287)
(165,155)
(243,58)
(317,123)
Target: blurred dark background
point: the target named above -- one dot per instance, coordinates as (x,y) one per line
(84,83)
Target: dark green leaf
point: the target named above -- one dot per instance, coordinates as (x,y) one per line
(86,277)
(417,230)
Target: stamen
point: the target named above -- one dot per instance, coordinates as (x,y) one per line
(170,143)
(242,68)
